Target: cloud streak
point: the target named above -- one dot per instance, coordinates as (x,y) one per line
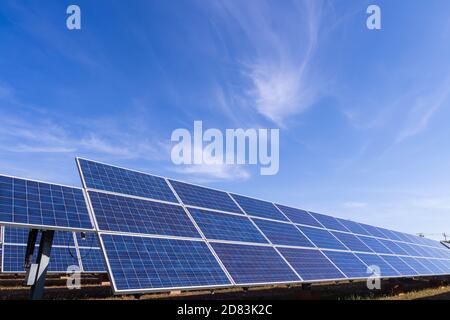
(283,42)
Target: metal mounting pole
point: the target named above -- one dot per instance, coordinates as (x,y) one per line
(42,261)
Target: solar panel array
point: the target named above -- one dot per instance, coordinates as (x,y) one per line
(161,234)
(68,249)
(29,203)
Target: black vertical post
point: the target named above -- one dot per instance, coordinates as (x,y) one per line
(42,261)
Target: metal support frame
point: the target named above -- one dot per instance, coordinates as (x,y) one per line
(36,272)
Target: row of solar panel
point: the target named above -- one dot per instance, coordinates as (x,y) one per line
(27,202)
(129,215)
(248,241)
(147,263)
(113,179)
(85,254)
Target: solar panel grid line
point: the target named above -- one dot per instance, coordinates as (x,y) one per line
(302,217)
(149,290)
(377,261)
(417,266)
(101,176)
(28,194)
(302,270)
(203,197)
(278,254)
(329,222)
(326,257)
(131,196)
(211,249)
(267,238)
(348,254)
(224,226)
(258,208)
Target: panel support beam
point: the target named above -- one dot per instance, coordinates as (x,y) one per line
(38,271)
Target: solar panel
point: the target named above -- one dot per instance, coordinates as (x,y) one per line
(385,268)
(20,236)
(329,222)
(351,242)
(204,197)
(311,264)
(322,238)
(282,233)
(30,203)
(401,266)
(224,226)
(155,264)
(110,178)
(430,265)
(349,264)
(249,264)
(124,214)
(394,247)
(299,216)
(88,240)
(259,208)
(375,245)
(92,260)
(441,264)
(354,227)
(417,265)
(152,243)
(374,231)
(61,259)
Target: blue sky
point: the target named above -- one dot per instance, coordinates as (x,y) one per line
(363,115)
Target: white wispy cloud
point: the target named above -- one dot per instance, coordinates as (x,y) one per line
(282,45)
(423,109)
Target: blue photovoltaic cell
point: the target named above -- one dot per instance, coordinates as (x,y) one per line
(391,235)
(402,236)
(322,238)
(374,231)
(20,236)
(254,264)
(124,214)
(441,265)
(224,226)
(329,222)
(299,216)
(282,233)
(259,208)
(446,263)
(60,259)
(351,242)
(139,263)
(37,203)
(311,264)
(109,178)
(424,251)
(89,240)
(409,249)
(374,260)
(92,260)
(348,263)
(394,247)
(375,245)
(430,265)
(401,266)
(204,197)
(416,265)
(354,227)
